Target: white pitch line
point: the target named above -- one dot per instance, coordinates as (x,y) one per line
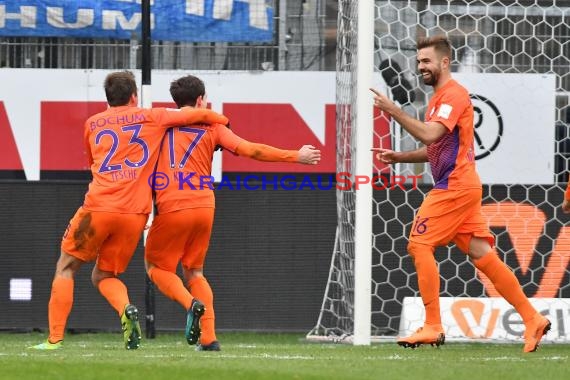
(263,356)
(512,358)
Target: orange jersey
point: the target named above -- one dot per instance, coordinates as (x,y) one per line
(452,158)
(186,163)
(186,160)
(122,144)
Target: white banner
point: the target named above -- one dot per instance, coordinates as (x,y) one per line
(487,319)
(514,126)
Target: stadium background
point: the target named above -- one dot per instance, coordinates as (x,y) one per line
(270,253)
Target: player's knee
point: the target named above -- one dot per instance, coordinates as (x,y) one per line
(98,275)
(67,265)
(192,273)
(96,278)
(479,247)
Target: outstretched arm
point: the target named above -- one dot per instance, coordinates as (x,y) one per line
(306,155)
(388,156)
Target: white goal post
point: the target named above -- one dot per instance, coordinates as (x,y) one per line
(363,165)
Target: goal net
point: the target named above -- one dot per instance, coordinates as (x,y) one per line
(513,57)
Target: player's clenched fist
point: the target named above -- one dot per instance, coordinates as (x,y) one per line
(309,155)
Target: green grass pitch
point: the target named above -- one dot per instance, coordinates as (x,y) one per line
(272,356)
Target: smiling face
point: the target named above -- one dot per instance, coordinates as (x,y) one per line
(431,65)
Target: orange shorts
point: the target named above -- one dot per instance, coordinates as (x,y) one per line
(111,238)
(450,216)
(180,236)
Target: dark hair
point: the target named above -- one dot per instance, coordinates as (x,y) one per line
(119,87)
(440,43)
(186,90)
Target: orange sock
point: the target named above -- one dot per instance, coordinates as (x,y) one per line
(201,289)
(60,303)
(506,283)
(428,280)
(115,292)
(171,286)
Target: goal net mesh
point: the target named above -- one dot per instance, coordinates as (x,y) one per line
(529,39)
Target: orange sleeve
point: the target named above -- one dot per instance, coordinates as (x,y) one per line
(204,115)
(226,138)
(170,117)
(263,152)
(567,193)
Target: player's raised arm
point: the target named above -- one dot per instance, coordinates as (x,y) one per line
(427,133)
(307,155)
